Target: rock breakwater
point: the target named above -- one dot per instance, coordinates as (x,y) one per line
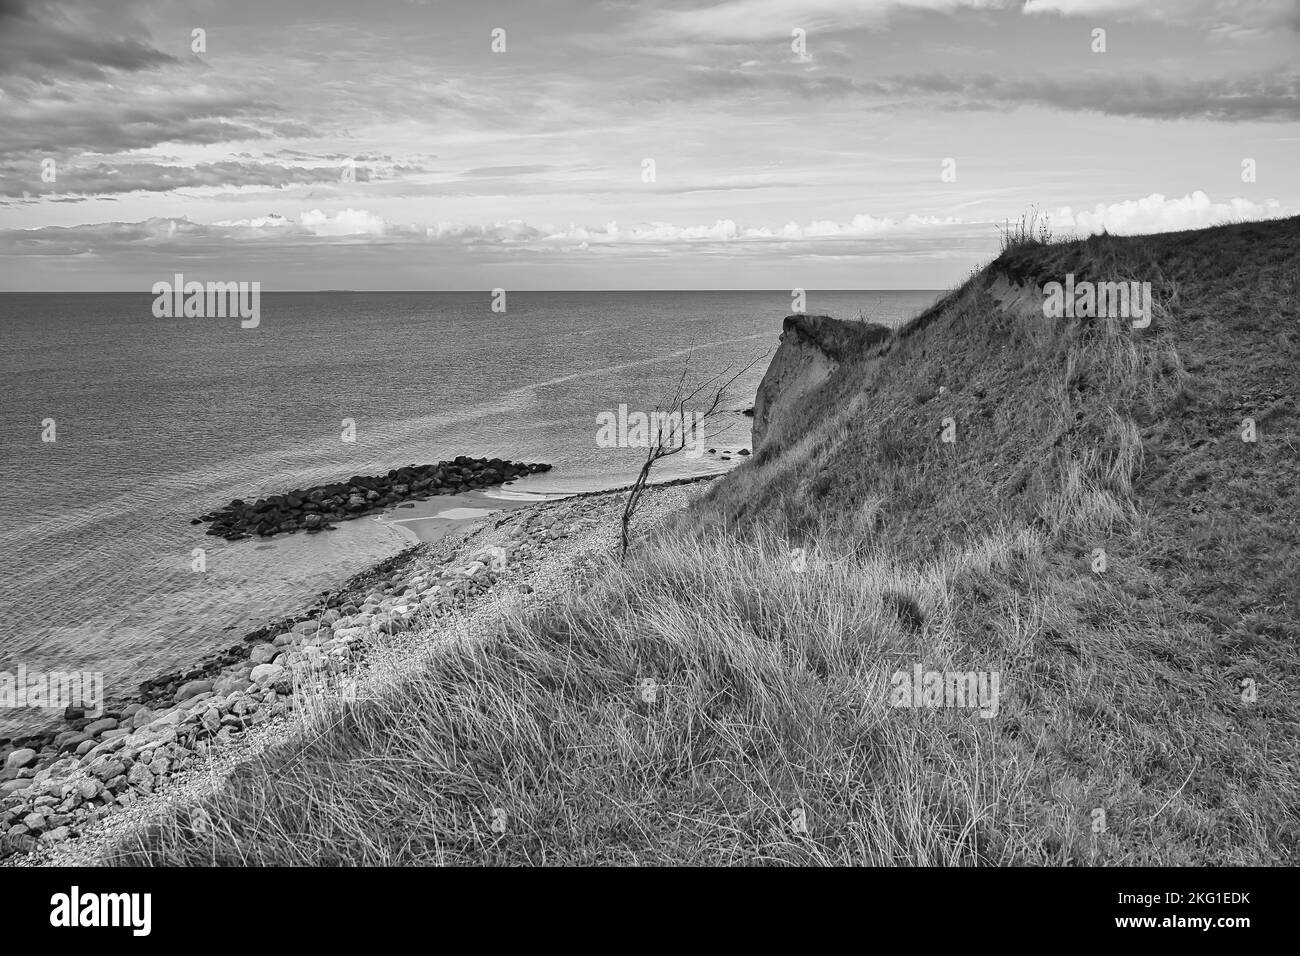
(316,509)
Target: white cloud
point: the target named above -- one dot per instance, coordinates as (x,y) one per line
(767,19)
(1156,213)
(349,222)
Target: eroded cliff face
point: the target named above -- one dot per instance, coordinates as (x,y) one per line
(812,348)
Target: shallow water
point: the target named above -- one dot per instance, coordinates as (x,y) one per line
(158,421)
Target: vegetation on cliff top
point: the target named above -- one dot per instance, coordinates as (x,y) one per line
(1148,711)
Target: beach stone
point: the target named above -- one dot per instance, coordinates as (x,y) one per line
(268,674)
(15,843)
(306,627)
(85,747)
(57,768)
(20,758)
(238,685)
(98,727)
(107,768)
(154,736)
(57,835)
(11,787)
(141,718)
(89,788)
(140,777)
(212,720)
(192,689)
(263,654)
(73,741)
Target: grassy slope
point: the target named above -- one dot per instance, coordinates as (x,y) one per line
(1120,690)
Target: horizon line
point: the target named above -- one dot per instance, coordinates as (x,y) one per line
(785,292)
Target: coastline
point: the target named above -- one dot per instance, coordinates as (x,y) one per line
(186,730)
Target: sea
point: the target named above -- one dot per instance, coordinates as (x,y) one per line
(117,428)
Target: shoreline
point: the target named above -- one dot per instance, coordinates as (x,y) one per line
(419,522)
(201,722)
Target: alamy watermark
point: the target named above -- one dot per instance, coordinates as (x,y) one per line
(973,690)
(76,909)
(1098,300)
(52,689)
(210,300)
(624,429)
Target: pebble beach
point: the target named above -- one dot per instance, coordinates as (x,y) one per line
(92,785)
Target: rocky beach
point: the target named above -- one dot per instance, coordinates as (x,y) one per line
(65,792)
(314,509)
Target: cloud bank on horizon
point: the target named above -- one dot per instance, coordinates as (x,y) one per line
(734,144)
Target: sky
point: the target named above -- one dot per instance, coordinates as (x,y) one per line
(550,144)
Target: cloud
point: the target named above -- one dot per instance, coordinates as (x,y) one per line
(747,21)
(1224,99)
(44,40)
(1228,99)
(1214,15)
(79,181)
(1156,213)
(139,118)
(498,171)
(349,222)
(753,20)
(855,235)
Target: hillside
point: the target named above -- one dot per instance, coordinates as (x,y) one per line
(1065,503)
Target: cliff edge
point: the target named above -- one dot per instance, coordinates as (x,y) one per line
(812,348)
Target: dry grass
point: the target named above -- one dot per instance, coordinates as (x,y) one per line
(1121,691)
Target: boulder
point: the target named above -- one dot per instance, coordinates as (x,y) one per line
(193,689)
(88,788)
(268,675)
(20,759)
(11,787)
(140,777)
(57,835)
(107,768)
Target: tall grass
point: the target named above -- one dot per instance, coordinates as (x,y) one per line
(710,703)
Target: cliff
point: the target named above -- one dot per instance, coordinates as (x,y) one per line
(1084,532)
(812,348)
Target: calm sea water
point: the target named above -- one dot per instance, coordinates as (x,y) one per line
(159,420)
